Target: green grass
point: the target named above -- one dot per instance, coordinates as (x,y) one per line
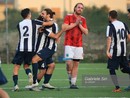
(59,79)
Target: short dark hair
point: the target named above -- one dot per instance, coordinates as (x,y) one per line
(77,5)
(49,11)
(128,10)
(113,14)
(25,12)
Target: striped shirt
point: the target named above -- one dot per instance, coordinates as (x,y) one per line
(118,32)
(44,41)
(27,34)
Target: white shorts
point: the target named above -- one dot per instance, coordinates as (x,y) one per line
(72,52)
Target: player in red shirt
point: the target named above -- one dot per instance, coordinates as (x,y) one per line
(76,26)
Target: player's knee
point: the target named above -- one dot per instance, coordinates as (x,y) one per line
(34,60)
(69,63)
(26,66)
(69,66)
(69,69)
(16,69)
(52,66)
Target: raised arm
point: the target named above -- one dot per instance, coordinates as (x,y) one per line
(53,35)
(84,30)
(72,25)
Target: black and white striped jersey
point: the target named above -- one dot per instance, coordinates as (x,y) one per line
(40,41)
(118,32)
(28,34)
(44,41)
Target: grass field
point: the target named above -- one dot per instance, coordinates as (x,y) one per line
(59,79)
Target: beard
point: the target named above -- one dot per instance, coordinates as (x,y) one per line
(78,13)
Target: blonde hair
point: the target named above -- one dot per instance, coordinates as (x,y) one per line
(77,5)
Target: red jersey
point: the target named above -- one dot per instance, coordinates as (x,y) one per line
(73,37)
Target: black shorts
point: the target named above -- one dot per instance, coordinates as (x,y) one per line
(117,62)
(23,57)
(45,53)
(44,64)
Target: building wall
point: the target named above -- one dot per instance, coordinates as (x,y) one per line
(2,9)
(60,5)
(69,4)
(112,4)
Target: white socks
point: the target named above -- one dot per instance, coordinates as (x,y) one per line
(73,80)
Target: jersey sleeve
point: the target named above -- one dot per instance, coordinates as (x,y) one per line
(56,28)
(18,27)
(84,24)
(127,29)
(47,31)
(66,20)
(38,22)
(109,31)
